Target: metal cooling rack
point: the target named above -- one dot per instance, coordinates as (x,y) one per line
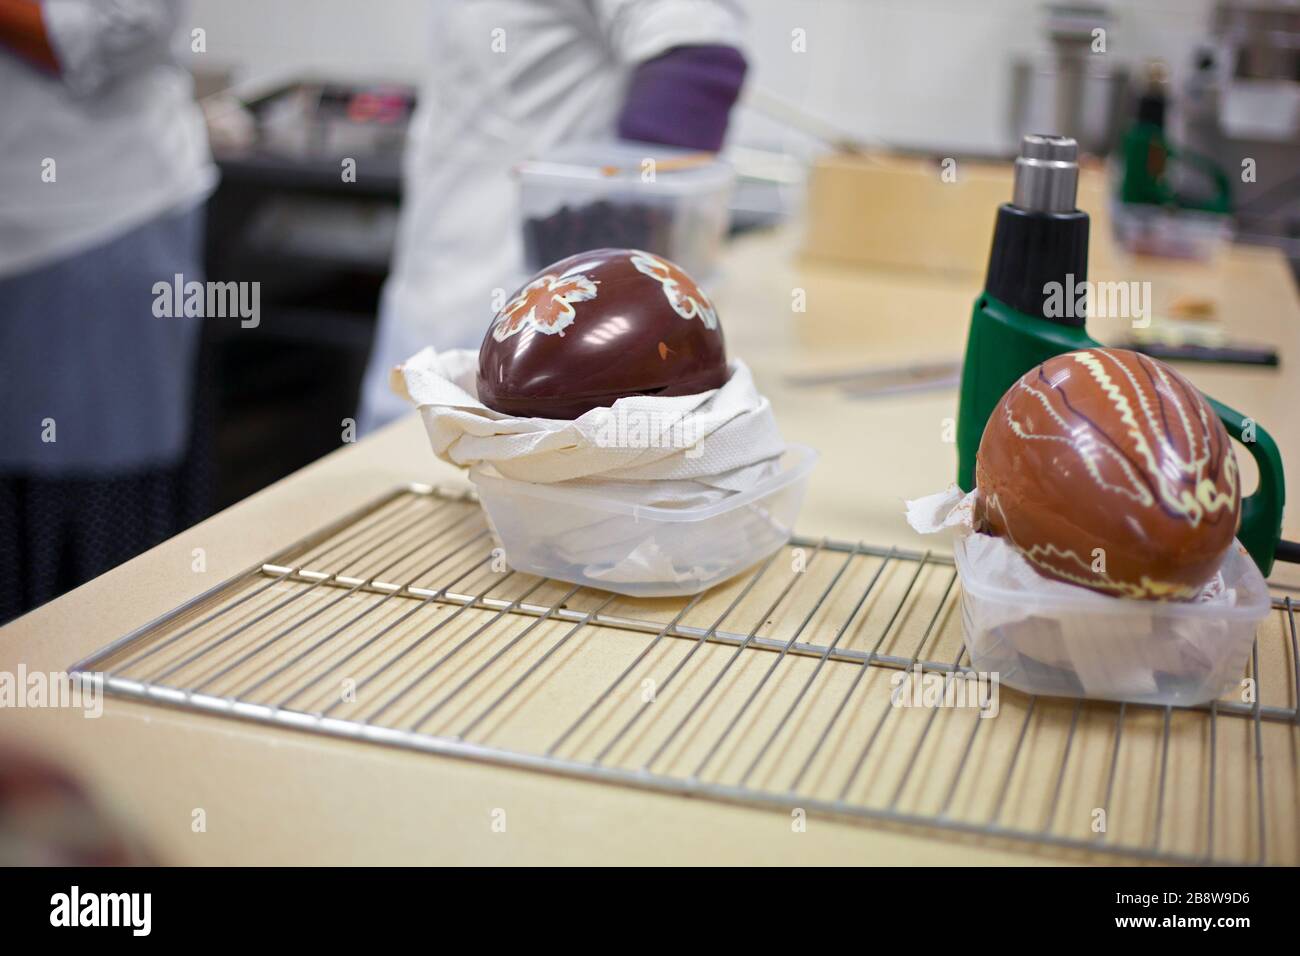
(400,625)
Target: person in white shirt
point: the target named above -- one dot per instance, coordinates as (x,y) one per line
(510,79)
(104,173)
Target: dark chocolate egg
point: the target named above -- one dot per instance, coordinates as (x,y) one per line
(1109,469)
(597,327)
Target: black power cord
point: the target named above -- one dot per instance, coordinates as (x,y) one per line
(1288,551)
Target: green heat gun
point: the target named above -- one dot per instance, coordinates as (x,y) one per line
(1040,239)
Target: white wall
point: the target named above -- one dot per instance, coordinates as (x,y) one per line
(932,74)
(935,74)
(380,39)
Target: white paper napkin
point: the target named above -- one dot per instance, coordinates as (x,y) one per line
(695,449)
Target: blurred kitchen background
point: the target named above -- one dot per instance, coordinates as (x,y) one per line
(290,87)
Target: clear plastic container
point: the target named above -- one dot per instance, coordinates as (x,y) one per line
(1170,234)
(603,541)
(671,202)
(1092,645)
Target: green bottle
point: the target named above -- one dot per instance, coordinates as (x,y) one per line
(1027,314)
(1148,157)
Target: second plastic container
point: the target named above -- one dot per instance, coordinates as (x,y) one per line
(1093,645)
(670,202)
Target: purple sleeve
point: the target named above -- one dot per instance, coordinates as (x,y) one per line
(683,97)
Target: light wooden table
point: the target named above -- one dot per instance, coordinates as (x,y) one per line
(278,796)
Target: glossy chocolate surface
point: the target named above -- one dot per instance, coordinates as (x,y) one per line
(1109,469)
(597,327)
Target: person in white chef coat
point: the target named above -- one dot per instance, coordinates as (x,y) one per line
(510,79)
(104,167)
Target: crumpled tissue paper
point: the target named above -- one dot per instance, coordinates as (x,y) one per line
(1057,636)
(652,451)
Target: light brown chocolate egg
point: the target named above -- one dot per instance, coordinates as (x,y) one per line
(1108,469)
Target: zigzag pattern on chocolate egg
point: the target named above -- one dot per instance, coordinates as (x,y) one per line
(1140,443)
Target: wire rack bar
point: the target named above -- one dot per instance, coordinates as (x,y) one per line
(722,636)
(632,778)
(398,625)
